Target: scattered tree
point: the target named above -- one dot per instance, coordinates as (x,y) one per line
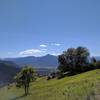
(24,77)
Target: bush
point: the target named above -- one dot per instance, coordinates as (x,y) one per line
(48,77)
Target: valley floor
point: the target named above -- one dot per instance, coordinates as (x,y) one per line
(84,86)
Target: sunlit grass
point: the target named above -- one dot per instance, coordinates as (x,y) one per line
(79,87)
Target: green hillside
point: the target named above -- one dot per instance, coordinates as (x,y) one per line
(84,86)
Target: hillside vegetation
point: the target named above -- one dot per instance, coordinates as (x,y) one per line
(8,70)
(84,86)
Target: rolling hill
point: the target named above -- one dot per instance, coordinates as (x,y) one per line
(8,70)
(85,86)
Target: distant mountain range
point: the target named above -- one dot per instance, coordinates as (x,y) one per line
(44,65)
(8,70)
(48,61)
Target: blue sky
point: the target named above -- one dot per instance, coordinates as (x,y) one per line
(39,27)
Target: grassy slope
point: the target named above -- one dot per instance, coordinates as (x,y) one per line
(78,87)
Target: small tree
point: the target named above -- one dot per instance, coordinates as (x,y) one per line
(24,77)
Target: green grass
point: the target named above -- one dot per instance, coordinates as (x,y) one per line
(79,87)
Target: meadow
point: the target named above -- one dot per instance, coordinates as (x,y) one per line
(85,86)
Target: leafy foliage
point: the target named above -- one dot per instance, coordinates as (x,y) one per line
(74,60)
(26,69)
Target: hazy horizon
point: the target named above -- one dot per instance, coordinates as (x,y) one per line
(37,28)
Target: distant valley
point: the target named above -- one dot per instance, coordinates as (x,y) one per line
(43,65)
(10,66)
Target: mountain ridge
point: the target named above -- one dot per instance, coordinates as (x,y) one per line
(48,60)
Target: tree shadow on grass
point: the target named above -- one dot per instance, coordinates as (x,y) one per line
(20,97)
(17,98)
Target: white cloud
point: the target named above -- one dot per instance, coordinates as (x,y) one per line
(43,45)
(56,44)
(32,52)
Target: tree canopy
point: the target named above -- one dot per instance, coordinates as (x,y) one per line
(26,69)
(74,60)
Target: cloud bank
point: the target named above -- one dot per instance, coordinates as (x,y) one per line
(32,52)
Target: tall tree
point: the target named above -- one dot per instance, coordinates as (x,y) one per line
(74,60)
(82,59)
